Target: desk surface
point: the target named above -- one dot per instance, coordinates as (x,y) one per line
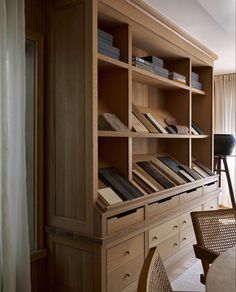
(221,276)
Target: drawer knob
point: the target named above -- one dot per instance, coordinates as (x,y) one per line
(128,275)
(176,226)
(154,238)
(184,222)
(175,244)
(127,252)
(184,238)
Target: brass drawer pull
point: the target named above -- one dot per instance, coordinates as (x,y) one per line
(127,252)
(175,244)
(128,275)
(184,238)
(154,238)
(176,226)
(184,222)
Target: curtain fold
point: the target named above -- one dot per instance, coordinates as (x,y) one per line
(14,236)
(225,123)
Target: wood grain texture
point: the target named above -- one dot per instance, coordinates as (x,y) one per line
(137,125)
(108,196)
(35,15)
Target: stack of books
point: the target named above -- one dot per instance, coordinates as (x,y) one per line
(105,45)
(143,64)
(157,65)
(177,77)
(195,81)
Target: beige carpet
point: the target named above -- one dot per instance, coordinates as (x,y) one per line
(189,280)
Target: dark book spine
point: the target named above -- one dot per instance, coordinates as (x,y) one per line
(197,128)
(191,172)
(156,174)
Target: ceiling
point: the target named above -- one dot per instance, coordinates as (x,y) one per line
(212,22)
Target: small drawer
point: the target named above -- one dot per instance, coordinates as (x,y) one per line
(162,232)
(162,206)
(211,187)
(185,220)
(186,237)
(190,195)
(169,247)
(124,220)
(211,205)
(125,275)
(124,252)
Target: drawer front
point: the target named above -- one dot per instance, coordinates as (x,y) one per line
(190,195)
(211,205)
(186,237)
(185,220)
(131,288)
(125,275)
(124,252)
(163,231)
(210,188)
(124,220)
(169,246)
(162,206)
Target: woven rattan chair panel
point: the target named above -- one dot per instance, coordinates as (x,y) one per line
(153,276)
(215,230)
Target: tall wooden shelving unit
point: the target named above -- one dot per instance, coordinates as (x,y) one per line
(103,250)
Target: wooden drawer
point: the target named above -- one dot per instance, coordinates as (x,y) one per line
(185,220)
(124,252)
(186,237)
(169,246)
(190,195)
(124,220)
(162,232)
(211,205)
(211,187)
(125,275)
(162,206)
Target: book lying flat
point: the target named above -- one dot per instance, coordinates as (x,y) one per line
(137,125)
(190,172)
(203,167)
(143,182)
(168,172)
(156,174)
(199,171)
(108,196)
(155,123)
(119,183)
(110,122)
(186,175)
(173,165)
(147,176)
(143,119)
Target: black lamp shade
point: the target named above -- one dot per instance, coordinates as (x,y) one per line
(223,144)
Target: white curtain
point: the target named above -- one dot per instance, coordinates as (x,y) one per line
(14,238)
(225,123)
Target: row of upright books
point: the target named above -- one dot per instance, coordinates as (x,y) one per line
(154,174)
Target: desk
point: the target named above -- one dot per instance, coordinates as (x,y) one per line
(221,276)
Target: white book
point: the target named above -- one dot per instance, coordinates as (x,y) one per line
(155,123)
(108,196)
(185,174)
(199,171)
(194,132)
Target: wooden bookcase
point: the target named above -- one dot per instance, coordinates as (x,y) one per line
(94,249)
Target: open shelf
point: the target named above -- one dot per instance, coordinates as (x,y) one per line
(105,62)
(146,135)
(149,78)
(197,91)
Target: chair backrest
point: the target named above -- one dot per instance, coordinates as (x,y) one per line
(215,230)
(153,277)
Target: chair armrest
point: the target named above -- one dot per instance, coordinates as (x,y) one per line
(203,253)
